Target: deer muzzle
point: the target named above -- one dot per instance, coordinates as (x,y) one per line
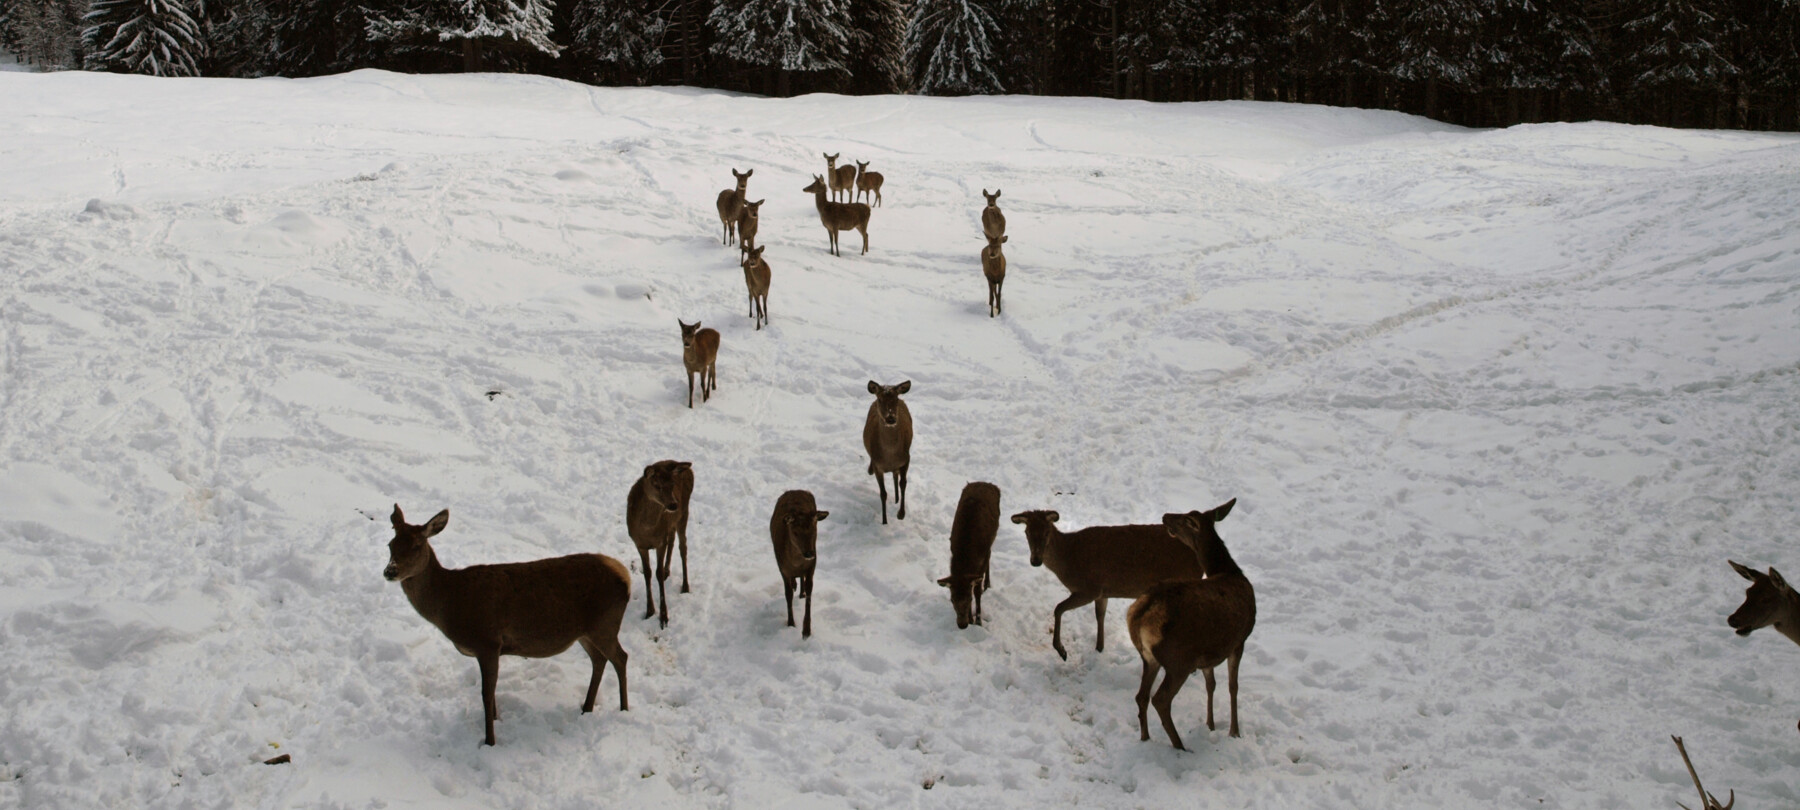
(391,572)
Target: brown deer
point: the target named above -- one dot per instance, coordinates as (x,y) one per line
(1769,601)
(887,436)
(993,266)
(867,182)
(700,353)
(971,545)
(731,204)
(756,278)
(794,529)
(843,178)
(531,609)
(1184,626)
(747,225)
(839,216)
(1103,562)
(656,513)
(993,223)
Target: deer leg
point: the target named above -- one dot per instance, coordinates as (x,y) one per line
(681,532)
(649,598)
(1231,668)
(900,491)
(1075,600)
(788,586)
(599,662)
(1210,685)
(1143,695)
(691,388)
(881,483)
(1100,624)
(662,580)
(1165,695)
(806,628)
(864,230)
(490,674)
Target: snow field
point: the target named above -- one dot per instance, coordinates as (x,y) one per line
(1497,405)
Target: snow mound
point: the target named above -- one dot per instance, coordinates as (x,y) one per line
(108,209)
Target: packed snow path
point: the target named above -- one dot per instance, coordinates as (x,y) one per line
(1497,406)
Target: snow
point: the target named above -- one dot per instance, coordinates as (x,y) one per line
(1496,406)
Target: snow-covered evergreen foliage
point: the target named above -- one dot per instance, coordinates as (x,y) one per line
(153,37)
(950,47)
(622,36)
(525,22)
(316,37)
(1673,45)
(1538,45)
(877,58)
(804,36)
(46,33)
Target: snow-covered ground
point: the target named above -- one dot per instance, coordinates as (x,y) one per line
(1496,407)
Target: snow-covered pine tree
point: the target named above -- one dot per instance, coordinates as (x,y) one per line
(472,24)
(1668,53)
(1532,49)
(1437,47)
(316,37)
(790,36)
(620,38)
(877,59)
(950,48)
(1343,43)
(153,37)
(46,33)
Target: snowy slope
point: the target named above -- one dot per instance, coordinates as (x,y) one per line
(1496,405)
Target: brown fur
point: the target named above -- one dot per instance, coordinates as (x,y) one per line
(1769,601)
(794,530)
(531,609)
(700,355)
(993,223)
(731,205)
(1195,625)
(842,178)
(656,515)
(889,444)
(1103,562)
(839,216)
(747,225)
(971,546)
(993,266)
(867,182)
(756,280)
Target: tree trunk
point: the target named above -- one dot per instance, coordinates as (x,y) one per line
(471,55)
(1117,78)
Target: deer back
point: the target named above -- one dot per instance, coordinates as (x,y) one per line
(1119,561)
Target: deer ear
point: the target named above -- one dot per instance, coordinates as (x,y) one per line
(1219,513)
(437,523)
(822,515)
(761,201)
(1172,522)
(1019,518)
(1743,571)
(874,387)
(1004,238)
(748,173)
(684,465)
(1775,577)
(903,387)
(1053,517)
(984,193)
(400,520)
(945,582)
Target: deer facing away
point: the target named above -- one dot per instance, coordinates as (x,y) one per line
(700,354)
(867,182)
(1103,562)
(887,436)
(837,216)
(731,205)
(993,223)
(1193,625)
(794,530)
(656,515)
(971,546)
(531,609)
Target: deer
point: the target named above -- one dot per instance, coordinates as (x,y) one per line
(1193,625)
(1103,562)
(971,545)
(747,224)
(867,182)
(700,353)
(993,266)
(794,530)
(533,609)
(731,204)
(887,436)
(839,216)
(1769,601)
(843,178)
(656,513)
(993,223)
(756,279)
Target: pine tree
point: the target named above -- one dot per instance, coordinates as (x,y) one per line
(1437,46)
(950,48)
(316,37)
(153,37)
(1668,52)
(789,36)
(473,23)
(1532,48)
(877,60)
(622,36)
(46,33)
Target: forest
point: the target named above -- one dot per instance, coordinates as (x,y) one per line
(1683,63)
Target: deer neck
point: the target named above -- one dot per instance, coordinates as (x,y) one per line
(424,590)
(1787,621)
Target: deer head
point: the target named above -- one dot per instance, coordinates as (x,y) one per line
(1763,602)
(887,400)
(1038,524)
(410,550)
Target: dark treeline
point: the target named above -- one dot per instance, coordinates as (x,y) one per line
(1687,63)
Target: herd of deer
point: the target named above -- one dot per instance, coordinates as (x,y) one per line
(1193,610)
